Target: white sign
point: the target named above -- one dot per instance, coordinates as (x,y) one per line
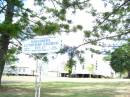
(43,44)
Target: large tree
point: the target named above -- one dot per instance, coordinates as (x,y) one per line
(120,59)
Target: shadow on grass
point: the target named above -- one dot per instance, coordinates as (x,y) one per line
(15,91)
(67,89)
(86,90)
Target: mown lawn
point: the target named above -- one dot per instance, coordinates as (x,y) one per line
(67,89)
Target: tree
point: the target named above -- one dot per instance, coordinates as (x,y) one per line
(73,53)
(120,59)
(69,65)
(113,24)
(19,23)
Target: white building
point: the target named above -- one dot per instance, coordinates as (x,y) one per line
(56,67)
(18,70)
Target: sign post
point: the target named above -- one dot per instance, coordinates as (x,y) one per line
(43,44)
(38,79)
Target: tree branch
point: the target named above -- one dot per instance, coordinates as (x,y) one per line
(101,39)
(58,2)
(18,41)
(14,44)
(2,9)
(53,4)
(126,1)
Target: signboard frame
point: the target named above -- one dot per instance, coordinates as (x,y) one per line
(42,44)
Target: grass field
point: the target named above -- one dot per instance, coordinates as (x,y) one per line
(90,88)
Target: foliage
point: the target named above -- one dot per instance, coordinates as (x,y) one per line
(69,65)
(10,56)
(115,20)
(120,59)
(113,24)
(73,53)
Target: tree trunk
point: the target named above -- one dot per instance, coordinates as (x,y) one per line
(5,35)
(69,73)
(1,70)
(4,42)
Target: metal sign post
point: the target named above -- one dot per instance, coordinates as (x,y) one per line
(38,79)
(43,44)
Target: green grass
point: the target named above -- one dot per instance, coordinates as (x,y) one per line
(67,89)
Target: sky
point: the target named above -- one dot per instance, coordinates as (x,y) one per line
(71,39)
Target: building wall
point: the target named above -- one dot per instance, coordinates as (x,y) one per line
(18,71)
(57,66)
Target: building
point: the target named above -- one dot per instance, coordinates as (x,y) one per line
(99,67)
(18,70)
(94,66)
